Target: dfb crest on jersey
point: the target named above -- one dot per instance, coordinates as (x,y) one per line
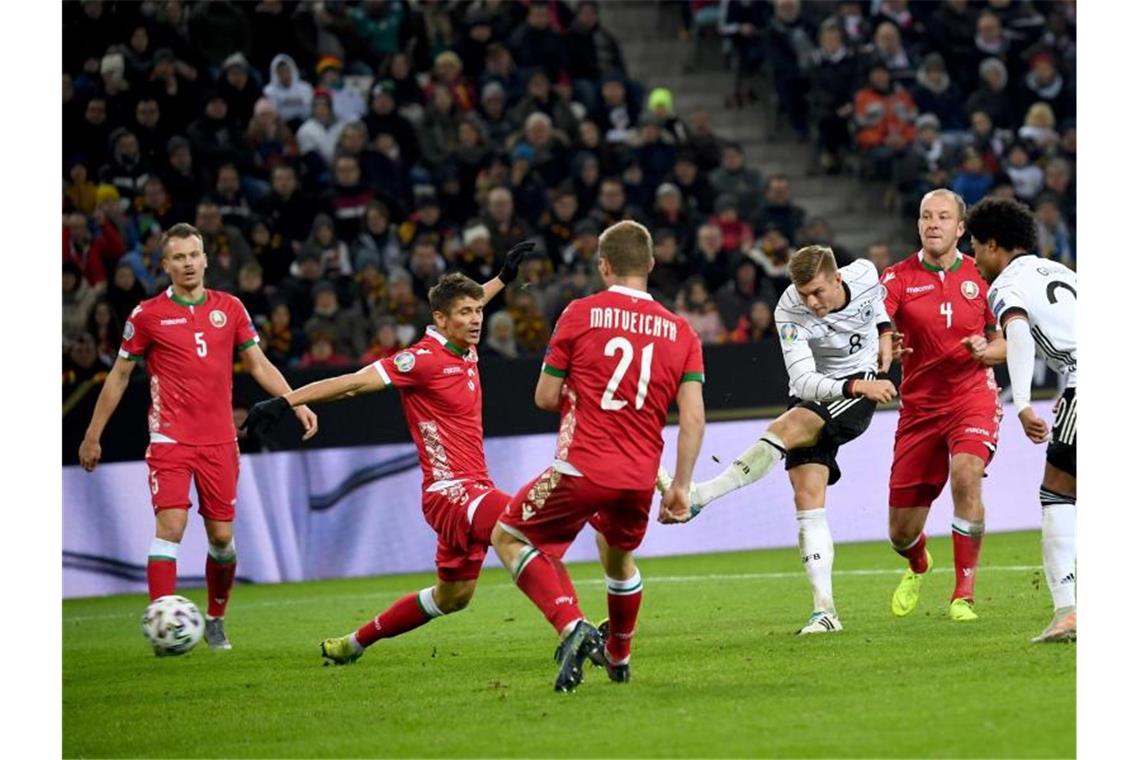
(970,289)
(868,311)
(404,361)
(788,332)
(218,318)
(128,330)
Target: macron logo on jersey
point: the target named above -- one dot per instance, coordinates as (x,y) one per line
(179,321)
(920,288)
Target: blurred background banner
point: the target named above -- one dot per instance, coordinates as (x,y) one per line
(356,511)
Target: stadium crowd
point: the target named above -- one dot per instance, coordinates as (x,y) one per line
(338,157)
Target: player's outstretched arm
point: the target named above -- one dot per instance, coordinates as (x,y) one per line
(113,387)
(509,272)
(691,404)
(270,378)
(265,414)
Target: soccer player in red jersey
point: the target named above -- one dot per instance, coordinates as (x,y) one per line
(188,336)
(948,423)
(438,380)
(615,362)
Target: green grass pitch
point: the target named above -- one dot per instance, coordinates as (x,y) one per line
(716,670)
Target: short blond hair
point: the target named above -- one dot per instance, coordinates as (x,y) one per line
(180,231)
(628,247)
(809,261)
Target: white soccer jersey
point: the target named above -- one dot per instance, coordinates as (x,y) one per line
(820,351)
(1047,292)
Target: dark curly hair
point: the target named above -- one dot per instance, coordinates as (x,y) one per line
(1007,222)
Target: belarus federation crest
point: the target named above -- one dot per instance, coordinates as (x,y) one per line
(970,289)
(404,361)
(218,318)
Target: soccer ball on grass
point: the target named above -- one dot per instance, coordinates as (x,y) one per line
(172,625)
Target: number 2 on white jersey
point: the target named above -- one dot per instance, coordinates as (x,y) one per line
(200,343)
(626,348)
(948,310)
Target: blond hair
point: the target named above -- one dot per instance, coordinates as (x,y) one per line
(628,247)
(1040,114)
(810,261)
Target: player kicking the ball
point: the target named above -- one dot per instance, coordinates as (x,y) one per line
(615,362)
(835,336)
(442,397)
(1035,301)
(188,336)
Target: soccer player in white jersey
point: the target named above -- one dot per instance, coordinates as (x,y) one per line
(1035,302)
(835,336)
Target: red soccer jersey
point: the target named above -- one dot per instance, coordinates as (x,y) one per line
(443,404)
(189,352)
(935,310)
(623,357)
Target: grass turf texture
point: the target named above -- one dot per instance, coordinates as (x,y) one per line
(716,670)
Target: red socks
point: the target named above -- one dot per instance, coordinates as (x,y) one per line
(221,566)
(407,613)
(539,578)
(967,538)
(161,568)
(624,600)
(915,554)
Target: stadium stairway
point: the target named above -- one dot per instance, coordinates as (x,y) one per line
(656,56)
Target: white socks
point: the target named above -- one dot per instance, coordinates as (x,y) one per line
(818,554)
(1059,546)
(163,549)
(227,553)
(753,464)
(427,603)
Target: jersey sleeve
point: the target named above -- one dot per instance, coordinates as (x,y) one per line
(892,292)
(556,362)
(803,380)
(136,336)
(1003,302)
(407,368)
(245,334)
(694,367)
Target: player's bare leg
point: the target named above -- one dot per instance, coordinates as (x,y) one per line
(539,578)
(162,560)
(623,600)
(817,550)
(905,528)
(969,527)
(1059,552)
(221,567)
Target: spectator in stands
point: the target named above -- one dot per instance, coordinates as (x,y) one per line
(541,97)
(332,253)
(617,113)
(703,143)
(145,258)
(1044,84)
(89,138)
(990,41)
(114,85)
(586,178)
(155,204)
(91,254)
(670,268)
(710,260)
(670,212)
(610,157)
(251,293)
(318,136)
(735,233)
(215,137)
(591,50)
(557,225)
(127,172)
(348,198)
(772,252)
(778,209)
(660,105)
(231,201)
(744,26)
(269,138)
(184,179)
(734,299)
(500,340)
(755,327)
(817,231)
(833,76)
(475,258)
(286,209)
(880,255)
(377,242)
(148,128)
(884,117)
(696,308)
(971,180)
(1038,129)
(82,362)
(951,30)
(239,88)
(888,47)
(384,118)
(551,148)
(478,35)
(535,45)
(493,110)
(347,102)
(107,332)
(733,177)
(322,351)
(500,69)
(124,291)
(79,190)
(281,340)
(991,95)
(427,222)
(385,342)
(426,265)
(226,249)
(532,330)
(1059,182)
(447,72)
(925,165)
(79,299)
(936,93)
(173,83)
(1053,233)
(789,49)
(612,206)
(507,229)
(270,250)
(694,185)
(1026,176)
(439,131)
(347,327)
(989,142)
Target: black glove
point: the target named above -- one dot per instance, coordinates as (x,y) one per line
(264,415)
(514,259)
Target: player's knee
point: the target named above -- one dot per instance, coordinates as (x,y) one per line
(810,495)
(220,535)
(455,600)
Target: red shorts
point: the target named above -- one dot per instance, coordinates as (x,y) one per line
(462,515)
(215,472)
(550,511)
(925,442)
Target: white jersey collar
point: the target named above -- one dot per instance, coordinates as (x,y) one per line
(633,292)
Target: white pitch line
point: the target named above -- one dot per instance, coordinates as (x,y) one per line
(650,580)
